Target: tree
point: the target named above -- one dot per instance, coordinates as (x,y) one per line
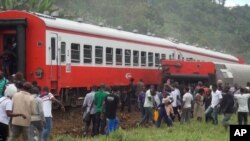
(28,5)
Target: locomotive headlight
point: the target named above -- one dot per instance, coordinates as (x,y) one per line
(39,73)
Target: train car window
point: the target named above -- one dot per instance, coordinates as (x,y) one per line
(87,53)
(170,57)
(98,54)
(127,57)
(150,59)
(157,60)
(63,52)
(143,58)
(75,53)
(163,56)
(183,58)
(173,57)
(118,53)
(109,56)
(135,58)
(179,57)
(53,48)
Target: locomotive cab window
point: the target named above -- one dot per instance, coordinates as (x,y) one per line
(118,56)
(87,54)
(98,54)
(150,59)
(75,53)
(109,56)
(127,57)
(135,58)
(63,52)
(157,60)
(143,58)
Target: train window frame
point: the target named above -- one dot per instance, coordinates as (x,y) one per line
(127,57)
(75,52)
(53,48)
(135,58)
(143,58)
(118,56)
(163,56)
(179,57)
(63,52)
(99,59)
(87,54)
(109,55)
(157,59)
(150,59)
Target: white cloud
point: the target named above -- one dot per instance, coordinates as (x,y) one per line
(230,3)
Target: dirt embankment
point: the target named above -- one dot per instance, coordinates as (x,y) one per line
(70,122)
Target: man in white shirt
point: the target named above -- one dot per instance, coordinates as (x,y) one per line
(148,105)
(242,100)
(176,95)
(47,99)
(215,103)
(186,108)
(90,108)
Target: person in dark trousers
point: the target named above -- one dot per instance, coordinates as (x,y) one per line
(227,106)
(91,108)
(242,100)
(100,120)
(131,93)
(111,103)
(207,102)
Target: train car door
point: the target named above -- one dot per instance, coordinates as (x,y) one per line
(54,61)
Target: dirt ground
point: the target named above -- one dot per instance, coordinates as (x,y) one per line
(70,122)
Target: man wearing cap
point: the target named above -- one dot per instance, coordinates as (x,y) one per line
(6,111)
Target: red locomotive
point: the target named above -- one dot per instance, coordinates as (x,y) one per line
(70,56)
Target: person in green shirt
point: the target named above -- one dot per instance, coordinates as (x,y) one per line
(100,122)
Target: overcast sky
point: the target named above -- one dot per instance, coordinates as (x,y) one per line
(237,2)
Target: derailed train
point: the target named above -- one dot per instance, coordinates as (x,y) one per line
(70,56)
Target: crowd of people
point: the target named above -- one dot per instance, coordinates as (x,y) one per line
(25,109)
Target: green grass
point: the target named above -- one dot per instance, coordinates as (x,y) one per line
(194,131)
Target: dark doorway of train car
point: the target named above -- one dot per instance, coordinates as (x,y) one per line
(12,45)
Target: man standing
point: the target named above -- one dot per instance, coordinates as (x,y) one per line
(148,105)
(242,100)
(215,103)
(176,95)
(23,102)
(227,106)
(47,99)
(100,121)
(186,108)
(6,111)
(111,103)
(88,103)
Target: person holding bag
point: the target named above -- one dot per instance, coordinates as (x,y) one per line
(89,114)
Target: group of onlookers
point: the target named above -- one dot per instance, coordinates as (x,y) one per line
(24,109)
(173,102)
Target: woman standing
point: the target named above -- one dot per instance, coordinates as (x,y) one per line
(199,105)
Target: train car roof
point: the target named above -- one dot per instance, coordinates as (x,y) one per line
(69,25)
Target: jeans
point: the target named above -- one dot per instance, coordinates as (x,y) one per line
(36,130)
(17,130)
(148,115)
(112,125)
(226,119)
(214,111)
(242,117)
(87,124)
(185,115)
(100,123)
(4,129)
(163,114)
(47,128)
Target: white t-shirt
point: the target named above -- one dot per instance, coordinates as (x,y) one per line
(148,99)
(175,93)
(216,97)
(242,100)
(5,105)
(187,99)
(47,105)
(88,101)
